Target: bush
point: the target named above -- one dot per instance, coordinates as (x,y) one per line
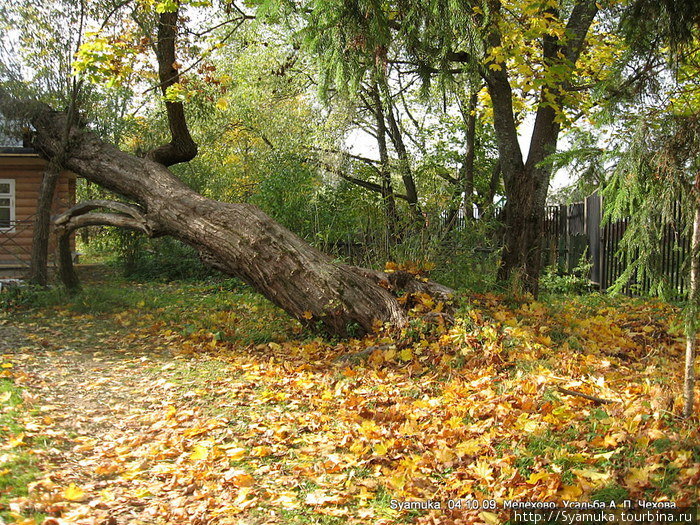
(163,258)
(577,282)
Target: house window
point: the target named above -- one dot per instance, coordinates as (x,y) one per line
(7,204)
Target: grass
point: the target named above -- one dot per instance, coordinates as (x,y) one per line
(190,308)
(18,465)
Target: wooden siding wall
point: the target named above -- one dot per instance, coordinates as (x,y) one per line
(27,171)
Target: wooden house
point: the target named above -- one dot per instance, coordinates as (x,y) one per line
(21,172)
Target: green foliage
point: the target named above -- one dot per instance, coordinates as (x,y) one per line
(577,282)
(651,182)
(20,465)
(464,258)
(17,296)
(610,493)
(158,259)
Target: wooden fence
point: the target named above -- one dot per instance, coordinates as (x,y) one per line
(570,231)
(15,243)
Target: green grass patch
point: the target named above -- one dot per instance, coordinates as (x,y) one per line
(18,467)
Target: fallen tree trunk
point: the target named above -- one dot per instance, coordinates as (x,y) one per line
(237,239)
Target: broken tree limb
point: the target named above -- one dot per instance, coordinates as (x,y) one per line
(597,400)
(400,282)
(84,207)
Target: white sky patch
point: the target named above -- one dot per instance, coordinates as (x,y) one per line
(361,143)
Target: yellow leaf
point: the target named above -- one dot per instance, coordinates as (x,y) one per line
(570,492)
(483,470)
(307,314)
(490,518)
(236,454)
(238,478)
(17,441)
(319,497)
(73,493)
(382,448)
(444,455)
(470,447)
(591,474)
(5,396)
(199,453)
(526,423)
(683,458)
(221,104)
(286,500)
(605,455)
(7,365)
(261,451)
(638,476)
(535,477)
(171,412)
(406,354)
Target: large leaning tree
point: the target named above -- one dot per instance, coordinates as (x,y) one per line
(237,239)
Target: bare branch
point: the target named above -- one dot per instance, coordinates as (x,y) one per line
(132,210)
(105,219)
(129,216)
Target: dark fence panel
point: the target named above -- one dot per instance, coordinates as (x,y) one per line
(570,231)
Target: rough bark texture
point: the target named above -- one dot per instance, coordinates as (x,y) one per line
(238,239)
(467,168)
(694,302)
(390,211)
(66,271)
(527,183)
(181,147)
(38,266)
(396,136)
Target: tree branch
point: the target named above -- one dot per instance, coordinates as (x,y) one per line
(181,147)
(129,216)
(105,219)
(132,210)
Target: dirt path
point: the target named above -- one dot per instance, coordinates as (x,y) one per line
(92,403)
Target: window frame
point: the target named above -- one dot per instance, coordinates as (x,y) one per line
(11,196)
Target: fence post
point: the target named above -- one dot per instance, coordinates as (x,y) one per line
(593,216)
(563,236)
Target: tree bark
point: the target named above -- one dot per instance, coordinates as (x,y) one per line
(396,137)
(467,167)
(238,239)
(390,211)
(691,331)
(38,266)
(526,184)
(181,147)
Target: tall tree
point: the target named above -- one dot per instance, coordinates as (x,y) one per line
(658,130)
(55,35)
(528,53)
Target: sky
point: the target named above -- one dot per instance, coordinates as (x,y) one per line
(360,143)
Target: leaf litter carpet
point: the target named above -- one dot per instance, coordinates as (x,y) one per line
(134,423)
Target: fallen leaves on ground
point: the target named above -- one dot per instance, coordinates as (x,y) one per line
(152,424)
